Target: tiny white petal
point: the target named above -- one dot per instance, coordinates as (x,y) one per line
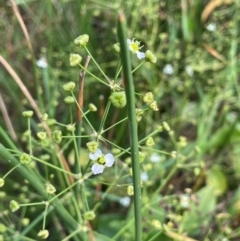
(129,41)
(155,158)
(184,201)
(211,27)
(109,160)
(96,155)
(125,201)
(42,63)
(189,70)
(168,69)
(140,55)
(144,176)
(97,168)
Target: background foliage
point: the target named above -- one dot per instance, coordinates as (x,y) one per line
(196,85)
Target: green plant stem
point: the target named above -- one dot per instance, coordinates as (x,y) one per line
(127,76)
(94,76)
(11,170)
(114,124)
(96,64)
(82,112)
(44,217)
(63,214)
(138,66)
(104,118)
(53,166)
(32,224)
(30,136)
(119,69)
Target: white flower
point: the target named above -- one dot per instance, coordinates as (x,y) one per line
(125,201)
(211,27)
(189,70)
(184,201)
(168,69)
(134,48)
(144,176)
(42,63)
(155,158)
(101,161)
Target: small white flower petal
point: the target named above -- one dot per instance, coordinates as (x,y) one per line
(125,201)
(168,69)
(140,55)
(144,176)
(96,155)
(109,160)
(211,27)
(97,168)
(42,63)
(155,158)
(129,41)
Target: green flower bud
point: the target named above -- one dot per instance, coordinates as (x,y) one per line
(2,195)
(51,122)
(45,157)
(57,136)
(82,40)
(154,106)
(118,99)
(75,59)
(166,126)
(71,127)
(3,228)
(89,215)
(44,116)
(69,100)
(43,234)
(138,118)
(14,206)
(50,189)
(27,113)
(25,221)
(25,158)
(2,182)
(150,57)
(92,146)
(116,48)
(115,151)
(148,98)
(159,128)
(150,142)
(92,107)
(42,135)
(130,190)
(69,86)
(139,113)
(141,157)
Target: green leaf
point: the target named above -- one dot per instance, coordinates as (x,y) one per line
(217,180)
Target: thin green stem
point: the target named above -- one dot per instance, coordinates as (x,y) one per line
(119,69)
(94,76)
(114,125)
(138,66)
(52,166)
(125,57)
(45,215)
(104,118)
(30,136)
(97,64)
(11,170)
(83,113)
